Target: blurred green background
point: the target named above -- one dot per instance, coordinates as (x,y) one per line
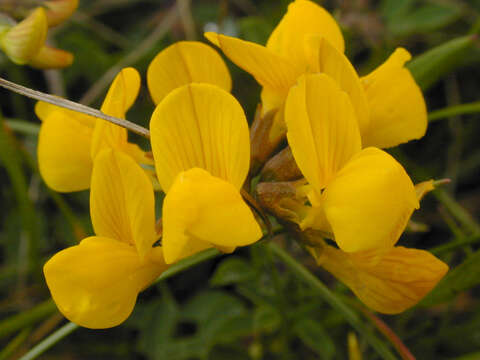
(249,305)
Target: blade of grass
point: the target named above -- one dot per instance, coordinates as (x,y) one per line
(455,110)
(26,318)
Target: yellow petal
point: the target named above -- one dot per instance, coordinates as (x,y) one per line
(269,69)
(23,41)
(122,201)
(322,129)
(51,58)
(200,125)
(201,210)
(64,150)
(388,281)
(325,58)
(369,202)
(95,284)
(119,99)
(183,63)
(303,18)
(398,110)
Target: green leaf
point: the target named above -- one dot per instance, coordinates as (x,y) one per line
(231,271)
(463,277)
(432,65)
(266,319)
(314,335)
(424,19)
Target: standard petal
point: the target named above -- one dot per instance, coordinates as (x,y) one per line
(183,63)
(303,18)
(200,125)
(388,281)
(325,58)
(322,128)
(201,210)
(397,108)
(122,201)
(269,69)
(51,58)
(119,99)
(64,151)
(369,202)
(95,284)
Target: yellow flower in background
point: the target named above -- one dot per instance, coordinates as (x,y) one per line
(200,143)
(95,284)
(69,142)
(24,43)
(363,198)
(308,40)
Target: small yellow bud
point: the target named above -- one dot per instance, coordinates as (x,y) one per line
(23,41)
(58,11)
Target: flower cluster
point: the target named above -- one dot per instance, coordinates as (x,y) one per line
(24,42)
(341,196)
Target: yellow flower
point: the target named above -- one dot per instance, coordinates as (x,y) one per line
(69,142)
(363,198)
(388,103)
(24,43)
(200,143)
(95,284)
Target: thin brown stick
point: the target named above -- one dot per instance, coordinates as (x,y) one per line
(67,104)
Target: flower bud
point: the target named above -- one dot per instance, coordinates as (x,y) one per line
(58,11)
(23,41)
(281,167)
(51,58)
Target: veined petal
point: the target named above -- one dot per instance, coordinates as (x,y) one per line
(95,284)
(322,128)
(201,210)
(200,125)
(122,201)
(119,99)
(397,109)
(122,93)
(325,58)
(64,151)
(387,281)
(183,63)
(369,201)
(303,18)
(269,69)
(23,41)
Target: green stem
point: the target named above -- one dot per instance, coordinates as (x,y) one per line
(349,315)
(48,342)
(26,318)
(24,127)
(455,244)
(455,110)
(457,211)
(187,263)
